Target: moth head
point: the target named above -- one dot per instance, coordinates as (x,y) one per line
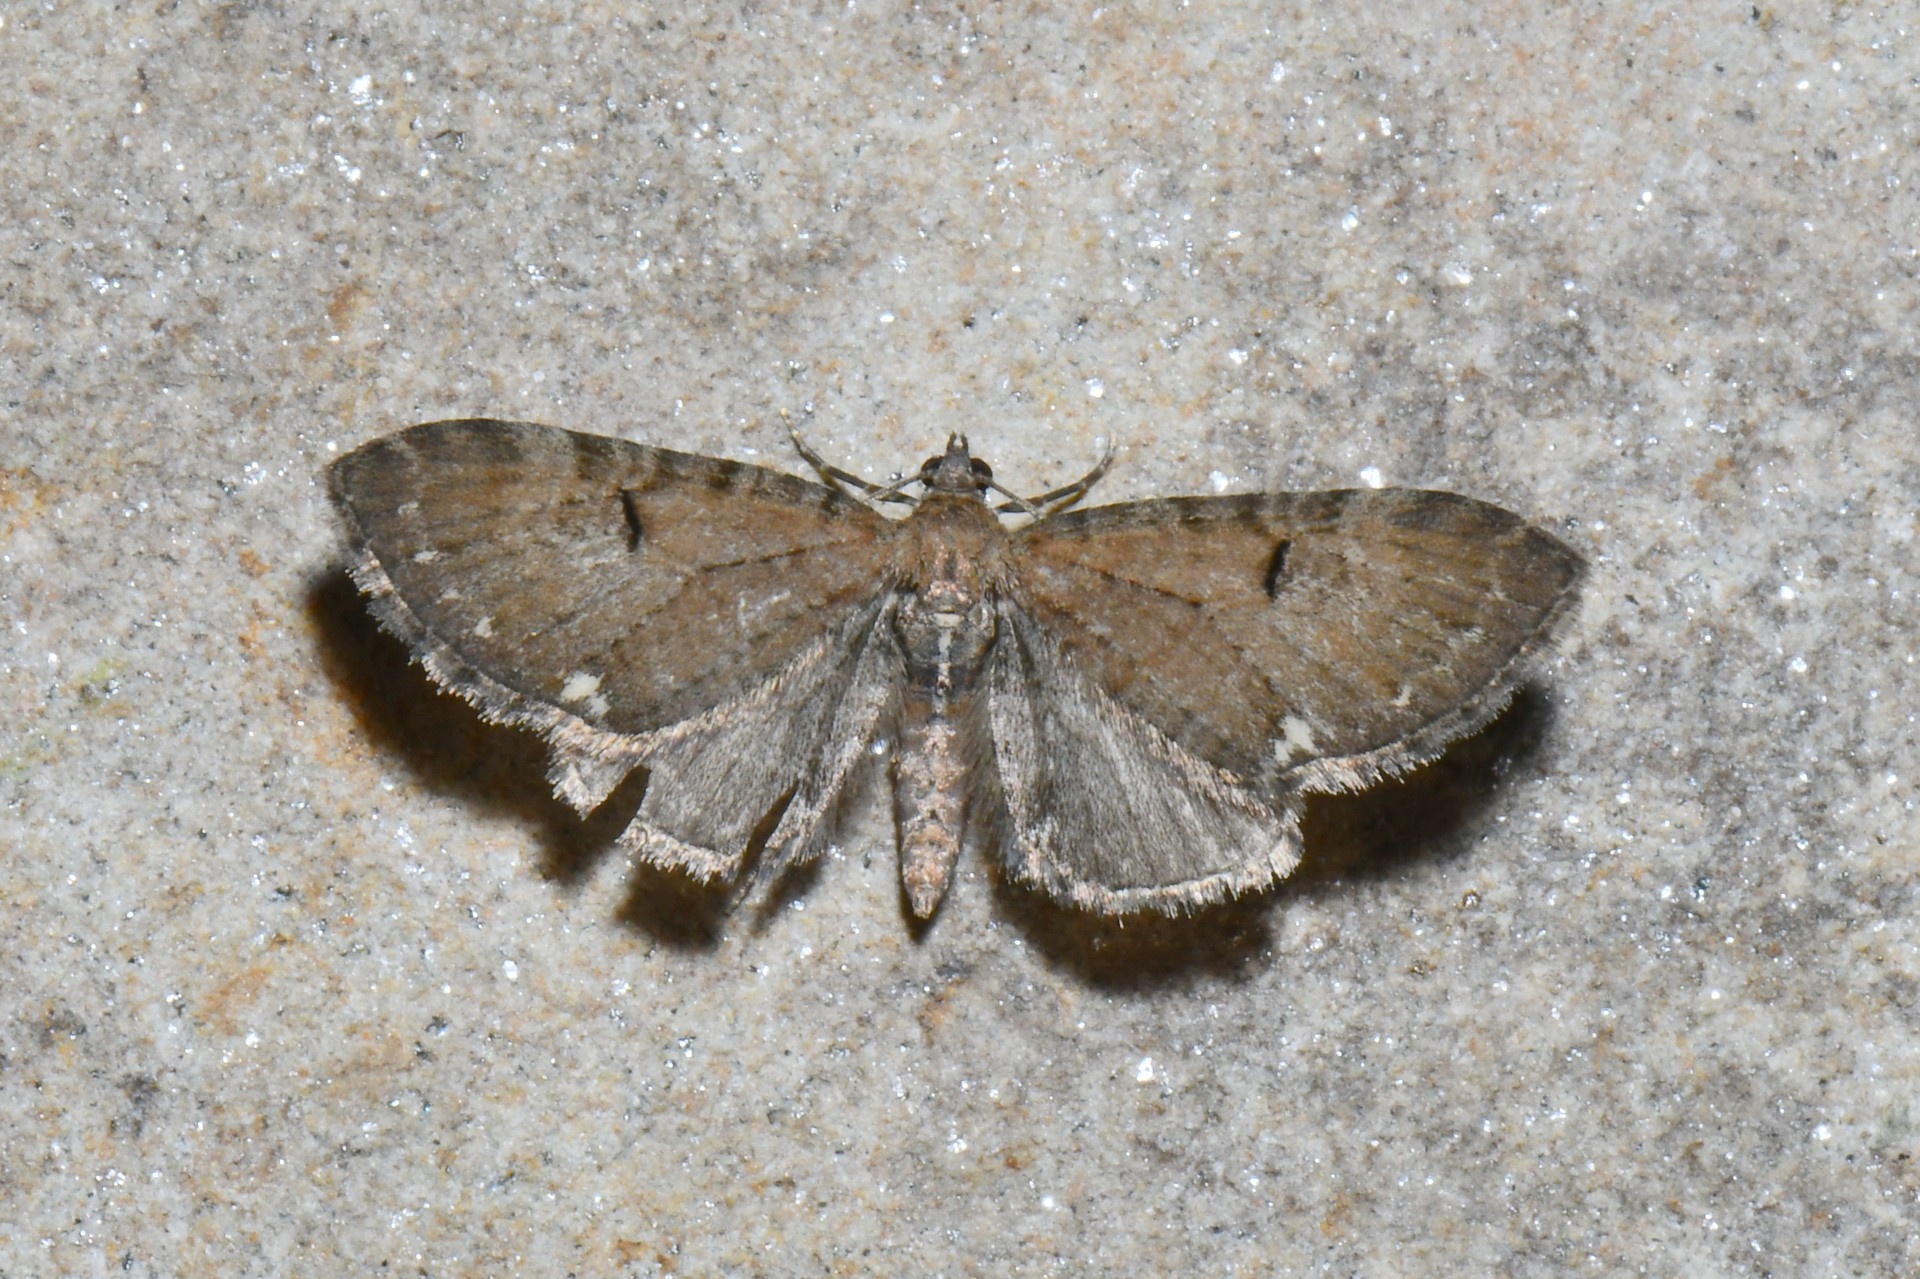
(956,470)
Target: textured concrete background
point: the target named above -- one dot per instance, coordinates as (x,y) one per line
(306,974)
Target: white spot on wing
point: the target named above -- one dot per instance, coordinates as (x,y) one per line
(579,685)
(484,628)
(596,706)
(425,557)
(1296,740)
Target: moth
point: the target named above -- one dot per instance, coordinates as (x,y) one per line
(1137,696)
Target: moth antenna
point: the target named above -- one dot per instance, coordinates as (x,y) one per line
(840,480)
(1061,498)
(895,492)
(1016,503)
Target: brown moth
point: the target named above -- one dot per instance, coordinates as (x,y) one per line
(1138,694)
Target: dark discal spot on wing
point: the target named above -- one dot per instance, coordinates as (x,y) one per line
(1336,623)
(1277,566)
(630,586)
(630,509)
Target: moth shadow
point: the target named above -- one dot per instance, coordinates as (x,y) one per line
(1427,815)
(446,747)
(1422,816)
(1141,953)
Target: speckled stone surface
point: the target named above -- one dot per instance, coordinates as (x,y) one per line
(305,974)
